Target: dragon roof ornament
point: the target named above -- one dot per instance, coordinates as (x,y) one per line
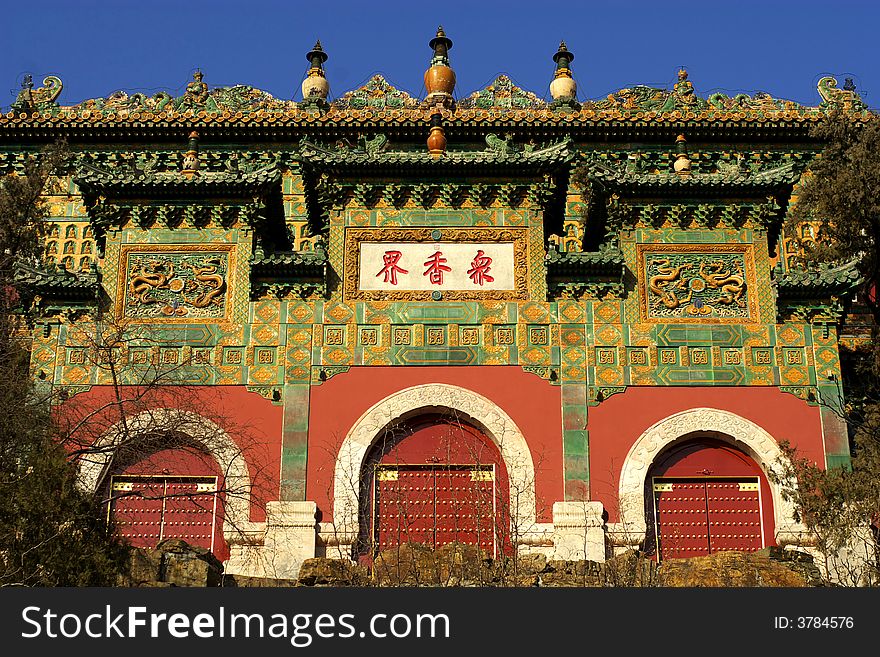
(683,97)
(498,152)
(41,99)
(378,100)
(502,94)
(196,98)
(377,93)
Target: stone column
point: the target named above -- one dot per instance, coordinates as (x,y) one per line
(578,531)
(291,534)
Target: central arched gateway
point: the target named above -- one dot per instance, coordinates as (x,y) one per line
(435,480)
(378,425)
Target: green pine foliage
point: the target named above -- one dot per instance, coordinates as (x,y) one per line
(52,533)
(842,196)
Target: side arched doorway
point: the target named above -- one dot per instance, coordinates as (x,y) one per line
(702,496)
(170,493)
(434,480)
(197,452)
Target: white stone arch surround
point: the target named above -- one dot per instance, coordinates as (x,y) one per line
(205,434)
(729,427)
(427,398)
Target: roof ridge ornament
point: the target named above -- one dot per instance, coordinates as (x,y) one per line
(563,88)
(503,94)
(501,145)
(315,87)
(38,100)
(845,100)
(376,93)
(440,78)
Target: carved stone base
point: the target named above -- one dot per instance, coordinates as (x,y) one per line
(578,531)
(288,540)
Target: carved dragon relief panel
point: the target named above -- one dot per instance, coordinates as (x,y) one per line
(700,283)
(174,283)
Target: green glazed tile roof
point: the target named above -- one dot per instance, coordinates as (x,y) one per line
(48,280)
(305,263)
(823,280)
(512,157)
(733,179)
(128,181)
(608,261)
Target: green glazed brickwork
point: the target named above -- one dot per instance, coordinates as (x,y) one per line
(593,343)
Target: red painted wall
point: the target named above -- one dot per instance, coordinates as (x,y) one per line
(615,424)
(532,403)
(251,421)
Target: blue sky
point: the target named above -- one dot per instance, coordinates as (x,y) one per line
(99,46)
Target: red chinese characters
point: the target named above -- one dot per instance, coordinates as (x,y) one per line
(391,268)
(445,268)
(479,271)
(435,268)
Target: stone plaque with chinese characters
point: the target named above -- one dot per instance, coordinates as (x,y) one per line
(422,263)
(174,283)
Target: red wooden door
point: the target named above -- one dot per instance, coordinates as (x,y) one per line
(435,505)
(734,510)
(696,517)
(436,482)
(170,493)
(148,509)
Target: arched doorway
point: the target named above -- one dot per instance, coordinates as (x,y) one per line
(197,448)
(704,495)
(351,517)
(434,480)
(741,433)
(168,493)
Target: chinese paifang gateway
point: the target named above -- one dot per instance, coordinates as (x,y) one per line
(329,328)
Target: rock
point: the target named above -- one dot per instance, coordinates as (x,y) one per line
(630,569)
(190,569)
(410,564)
(765,568)
(528,564)
(144,566)
(173,563)
(416,564)
(572,574)
(320,571)
(459,564)
(245,582)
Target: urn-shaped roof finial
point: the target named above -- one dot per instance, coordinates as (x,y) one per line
(315,87)
(682,164)
(440,78)
(563,87)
